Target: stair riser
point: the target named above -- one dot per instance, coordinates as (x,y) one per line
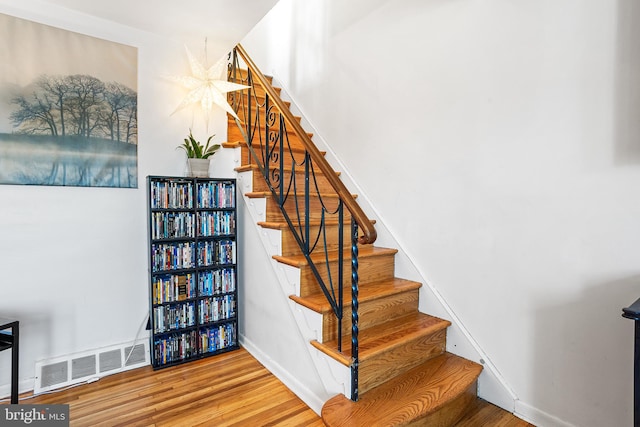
(258,102)
(397,360)
(235,134)
(450,413)
(370,269)
(257,91)
(243,73)
(370,313)
(329,242)
(290,159)
(291,205)
(319,184)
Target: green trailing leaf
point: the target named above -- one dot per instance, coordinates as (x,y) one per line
(195,150)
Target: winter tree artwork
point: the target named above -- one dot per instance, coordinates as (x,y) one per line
(68,108)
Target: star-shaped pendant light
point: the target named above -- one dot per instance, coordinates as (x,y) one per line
(207,86)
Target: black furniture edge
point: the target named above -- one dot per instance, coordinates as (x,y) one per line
(10,340)
(633,311)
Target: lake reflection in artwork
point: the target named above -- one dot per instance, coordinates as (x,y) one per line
(67,161)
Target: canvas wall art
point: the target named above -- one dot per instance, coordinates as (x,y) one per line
(68,108)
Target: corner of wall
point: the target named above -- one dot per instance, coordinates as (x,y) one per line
(284,375)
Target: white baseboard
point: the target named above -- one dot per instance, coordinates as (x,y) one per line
(537,417)
(23,387)
(307,396)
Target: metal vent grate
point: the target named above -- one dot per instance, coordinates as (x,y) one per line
(110,360)
(138,355)
(83,366)
(53,374)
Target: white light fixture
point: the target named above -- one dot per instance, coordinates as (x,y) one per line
(207,86)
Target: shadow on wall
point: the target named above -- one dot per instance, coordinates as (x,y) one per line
(314,26)
(588,379)
(627,74)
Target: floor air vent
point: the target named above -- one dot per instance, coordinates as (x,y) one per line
(135,355)
(53,374)
(89,365)
(83,367)
(110,360)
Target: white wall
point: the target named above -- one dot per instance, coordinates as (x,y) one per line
(499,141)
(74,260)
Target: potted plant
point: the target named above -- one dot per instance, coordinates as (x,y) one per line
(198,155)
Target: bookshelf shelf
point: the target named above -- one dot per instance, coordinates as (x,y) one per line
(192,268)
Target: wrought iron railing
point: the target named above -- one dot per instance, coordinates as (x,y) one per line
(314,202)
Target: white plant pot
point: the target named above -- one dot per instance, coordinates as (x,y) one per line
(198,168)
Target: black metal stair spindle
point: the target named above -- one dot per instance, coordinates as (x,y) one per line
(307,209)
(355,361)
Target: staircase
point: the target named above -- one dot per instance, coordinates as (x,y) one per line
(404,376)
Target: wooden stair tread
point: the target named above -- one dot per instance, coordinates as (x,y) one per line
(288,130)
(363,251)
(256,168)
(282,225)
(232,120)
(369,291)
(380,338)
(268,194)
(412,396)
(239,144)
(232,144)
(259,89)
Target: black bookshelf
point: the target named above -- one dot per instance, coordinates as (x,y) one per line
(192,268)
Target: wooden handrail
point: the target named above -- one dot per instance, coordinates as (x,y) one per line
(369,232)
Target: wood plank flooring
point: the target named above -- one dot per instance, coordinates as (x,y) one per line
(231,389)
(483,413)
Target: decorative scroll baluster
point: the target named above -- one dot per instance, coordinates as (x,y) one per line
(307,209)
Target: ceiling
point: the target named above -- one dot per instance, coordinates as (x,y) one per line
(186,20)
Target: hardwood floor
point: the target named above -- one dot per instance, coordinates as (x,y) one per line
(483,413)
(231,389)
